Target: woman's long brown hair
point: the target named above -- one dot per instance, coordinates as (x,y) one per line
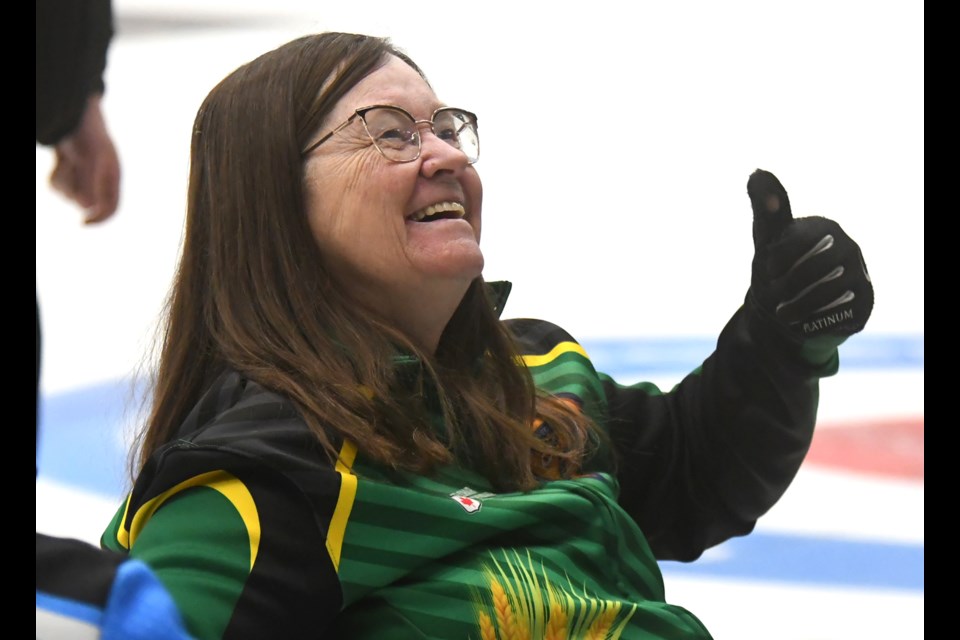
(251,293)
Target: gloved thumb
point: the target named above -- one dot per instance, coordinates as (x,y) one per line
(771,208)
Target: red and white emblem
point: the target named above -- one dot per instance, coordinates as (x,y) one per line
(470,505)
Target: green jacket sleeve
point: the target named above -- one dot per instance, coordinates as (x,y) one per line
(699,463)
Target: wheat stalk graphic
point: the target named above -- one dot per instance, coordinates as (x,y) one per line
(521,603)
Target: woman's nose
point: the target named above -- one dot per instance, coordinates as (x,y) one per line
(437,155)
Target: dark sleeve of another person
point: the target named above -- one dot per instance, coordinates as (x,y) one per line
(73,37)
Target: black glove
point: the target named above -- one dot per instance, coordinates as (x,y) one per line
(807,272)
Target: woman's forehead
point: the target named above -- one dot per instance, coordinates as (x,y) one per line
(395,83)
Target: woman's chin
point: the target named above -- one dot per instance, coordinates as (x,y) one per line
(459,260)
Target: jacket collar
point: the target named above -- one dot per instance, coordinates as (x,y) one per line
(499,291)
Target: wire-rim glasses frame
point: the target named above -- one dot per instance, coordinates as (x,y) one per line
(468,126)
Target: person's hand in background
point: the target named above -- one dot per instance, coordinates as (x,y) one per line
(87,169)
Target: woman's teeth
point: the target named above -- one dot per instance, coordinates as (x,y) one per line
(454,209)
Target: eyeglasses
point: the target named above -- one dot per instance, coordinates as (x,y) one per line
(396,134)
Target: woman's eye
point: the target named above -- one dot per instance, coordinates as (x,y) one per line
(395,135)
(447,133)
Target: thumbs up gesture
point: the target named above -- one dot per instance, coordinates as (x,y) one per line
(807,272)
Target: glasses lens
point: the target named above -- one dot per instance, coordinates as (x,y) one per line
(397,137)
(394,133)
(459,129)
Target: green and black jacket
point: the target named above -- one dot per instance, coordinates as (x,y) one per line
(257,535)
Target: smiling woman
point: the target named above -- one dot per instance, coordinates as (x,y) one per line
(375,222)
(345,439)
